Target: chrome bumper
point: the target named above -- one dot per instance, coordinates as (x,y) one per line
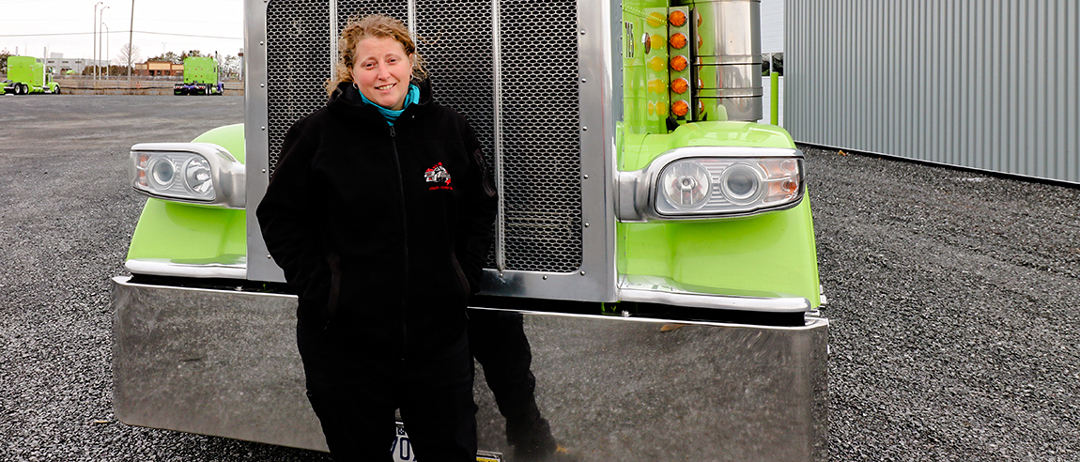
(224,363)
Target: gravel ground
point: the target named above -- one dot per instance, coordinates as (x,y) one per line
(65,221)
(953,296)
(953,302)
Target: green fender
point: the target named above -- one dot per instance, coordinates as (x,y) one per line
(188,234)
(767,255)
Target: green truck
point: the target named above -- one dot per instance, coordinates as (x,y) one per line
(654,242)
(26,75)
(200,77)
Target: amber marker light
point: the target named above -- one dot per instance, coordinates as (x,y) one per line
(142,160)
(678,63)
(655,19)
(789,186)
(656,63)
(678,41)
(656,86)
(677,18)
(680,85)
(680,108)
(656,41)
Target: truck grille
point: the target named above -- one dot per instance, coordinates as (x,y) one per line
(538,137)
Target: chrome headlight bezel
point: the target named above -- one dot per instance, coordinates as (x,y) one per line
(744,181)
(194,173)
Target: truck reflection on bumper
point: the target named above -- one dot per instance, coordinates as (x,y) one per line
(224,363)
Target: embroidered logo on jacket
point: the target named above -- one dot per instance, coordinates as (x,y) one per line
(439,176)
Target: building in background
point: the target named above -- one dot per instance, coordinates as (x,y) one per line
(988,84)
(772,55)
(59,65)
(772,26)
(159,69)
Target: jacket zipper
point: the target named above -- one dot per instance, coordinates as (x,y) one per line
(405,233)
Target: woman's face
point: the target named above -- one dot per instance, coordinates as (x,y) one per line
(382,71)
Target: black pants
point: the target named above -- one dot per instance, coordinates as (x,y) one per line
(355,393)
(498,341)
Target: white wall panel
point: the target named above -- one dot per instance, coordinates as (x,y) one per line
(985,84)
(772,26)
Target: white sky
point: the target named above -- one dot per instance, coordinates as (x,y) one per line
(67,26)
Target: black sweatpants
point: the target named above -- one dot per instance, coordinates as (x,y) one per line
(497,340)
(355,393)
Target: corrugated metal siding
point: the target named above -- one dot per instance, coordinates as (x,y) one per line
(986,84)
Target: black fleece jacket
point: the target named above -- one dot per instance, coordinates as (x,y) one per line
(382,231)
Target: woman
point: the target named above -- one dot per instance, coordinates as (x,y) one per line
(380,213)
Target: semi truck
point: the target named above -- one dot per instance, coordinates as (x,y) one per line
(654,243)
(26,75)
(200,77)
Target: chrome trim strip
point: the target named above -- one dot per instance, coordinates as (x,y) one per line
(720,302)
(662,290)
(812,322)
(227,173)
(256,141)
(333,36)
(125,282)
(600,102)
(728,93)
(169,268)
(496,58)
(411,17)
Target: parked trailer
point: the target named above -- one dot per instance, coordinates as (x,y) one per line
(26,75)
(653,243)
(200,77)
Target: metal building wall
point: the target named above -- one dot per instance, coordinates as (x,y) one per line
(986,84)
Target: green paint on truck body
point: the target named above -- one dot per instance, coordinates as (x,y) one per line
(199,69)
(194,234)
(771,254)
(767,255)
(30,72)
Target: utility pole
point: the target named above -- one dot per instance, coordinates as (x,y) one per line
(93,56)
(131,32)
(97,65)
(108,60)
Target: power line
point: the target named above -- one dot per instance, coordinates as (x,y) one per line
(122,31)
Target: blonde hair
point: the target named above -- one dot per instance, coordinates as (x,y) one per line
(358,29)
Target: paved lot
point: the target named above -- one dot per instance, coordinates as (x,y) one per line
(954,296)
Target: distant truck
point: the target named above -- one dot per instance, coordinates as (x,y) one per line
(26,74)
(200,77)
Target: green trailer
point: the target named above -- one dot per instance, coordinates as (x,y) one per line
(654,242)
(200,77)
(26,75)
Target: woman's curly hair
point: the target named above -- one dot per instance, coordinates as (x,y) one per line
(360,28)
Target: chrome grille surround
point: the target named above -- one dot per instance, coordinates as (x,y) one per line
(536,136)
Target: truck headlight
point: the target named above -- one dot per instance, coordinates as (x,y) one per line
(197,176)
(162,173)
(684,186)
(199,173)
(712,182)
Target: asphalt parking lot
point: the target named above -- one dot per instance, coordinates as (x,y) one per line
(953,296)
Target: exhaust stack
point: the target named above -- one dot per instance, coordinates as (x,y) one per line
(726,58)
